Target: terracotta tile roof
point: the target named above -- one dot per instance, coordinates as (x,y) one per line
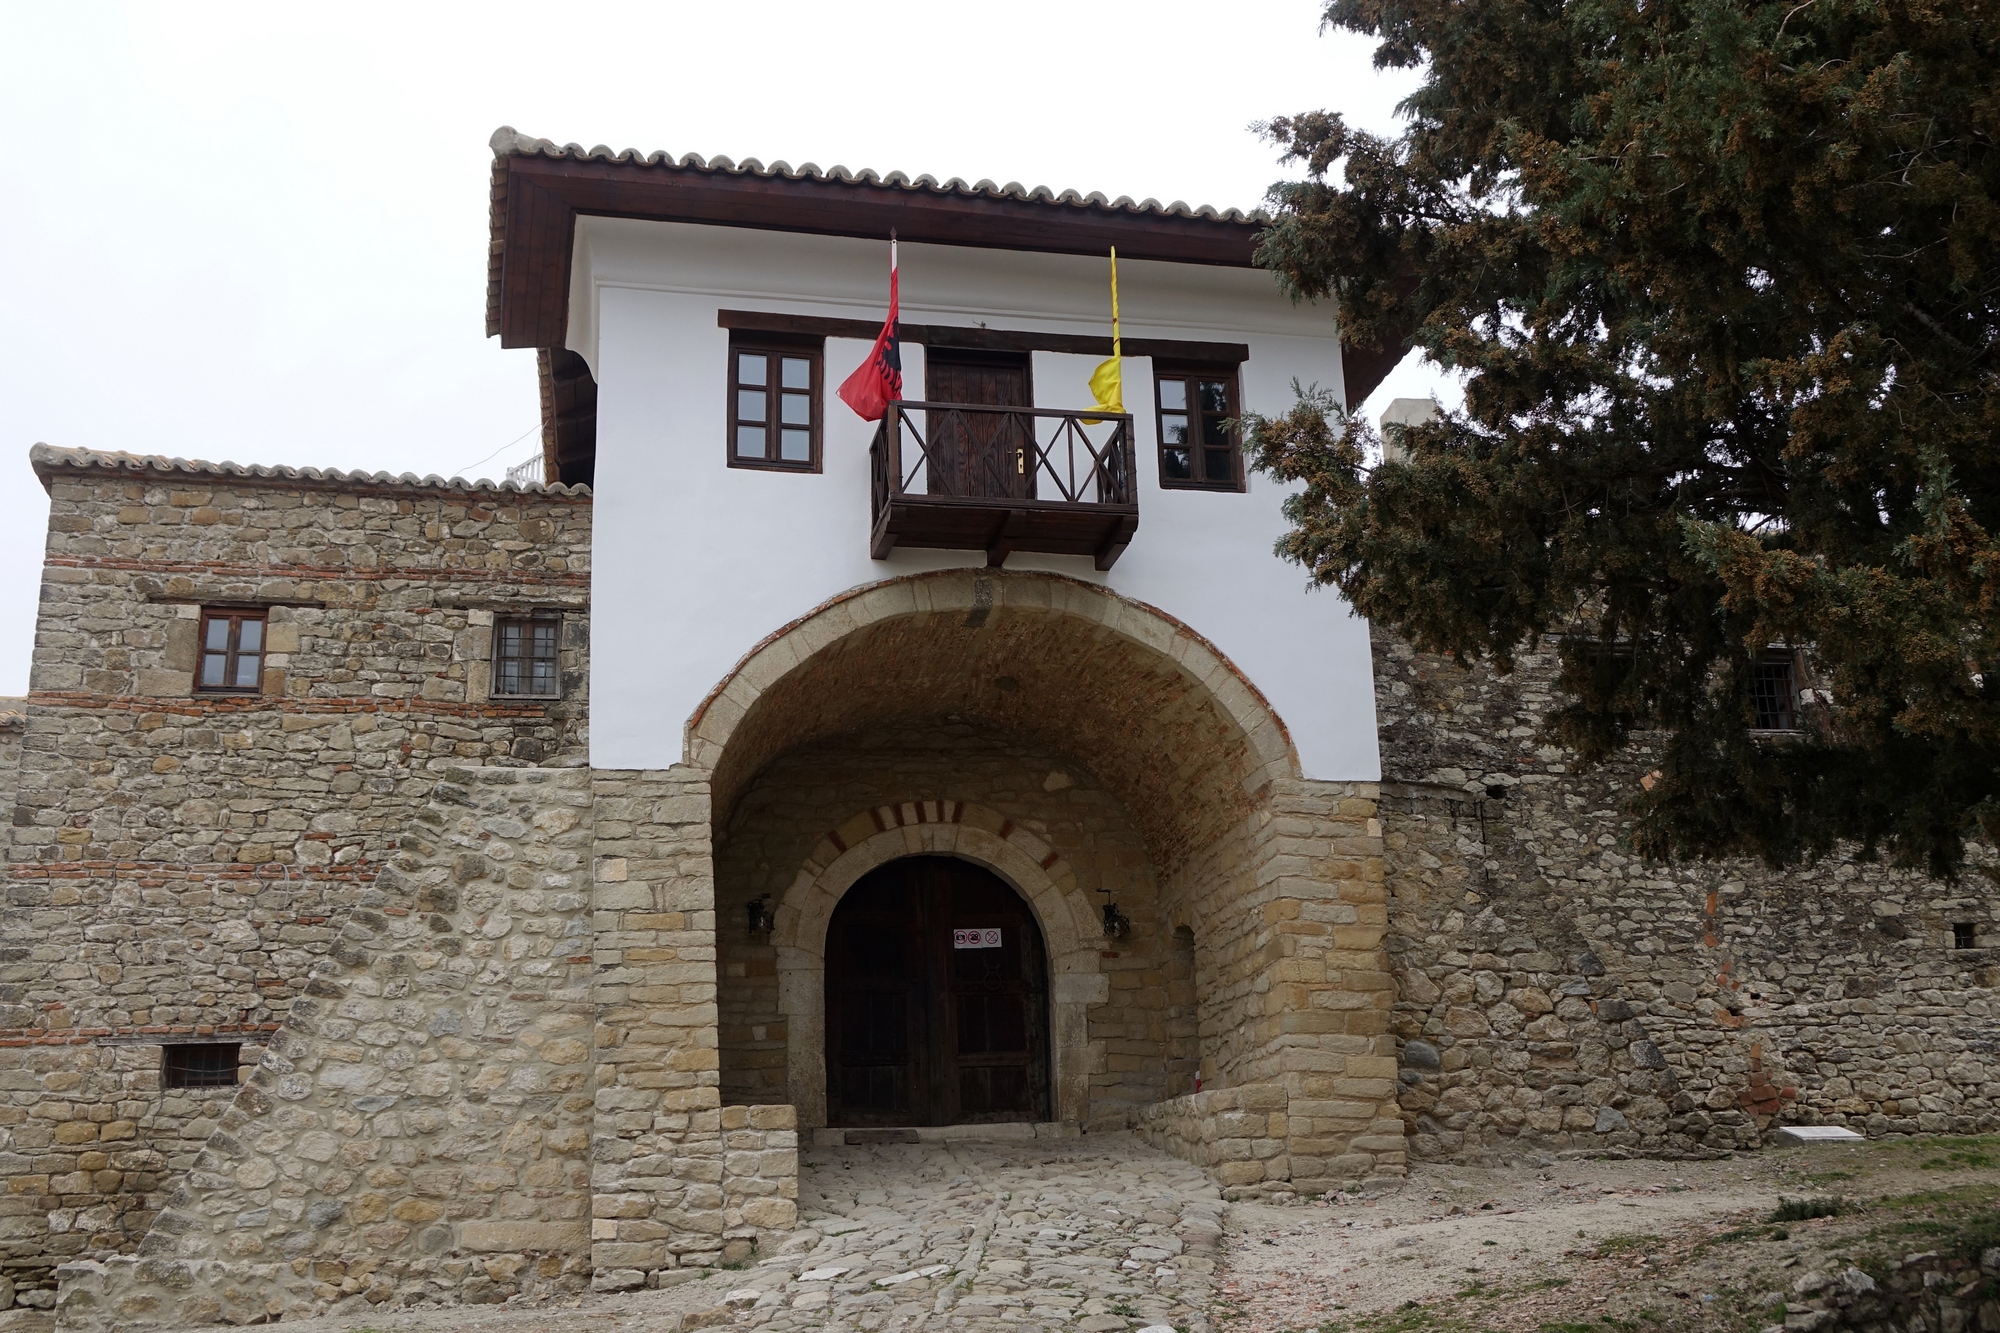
(47,459)
(13,712)
(1085,210)
(510,142)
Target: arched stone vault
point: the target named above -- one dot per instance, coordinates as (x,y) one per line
(1278,876)
(1153,709)
(935,828)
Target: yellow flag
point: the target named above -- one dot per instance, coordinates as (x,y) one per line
(1107,382)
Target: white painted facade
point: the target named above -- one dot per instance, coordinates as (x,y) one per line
(695,562)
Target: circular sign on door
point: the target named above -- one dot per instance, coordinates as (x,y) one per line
(985,937)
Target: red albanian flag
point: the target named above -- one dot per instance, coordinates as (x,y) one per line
(879,379)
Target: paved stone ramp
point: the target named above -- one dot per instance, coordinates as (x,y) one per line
(1090,1234)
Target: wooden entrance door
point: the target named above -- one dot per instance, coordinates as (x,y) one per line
(979,453)
(921,1031)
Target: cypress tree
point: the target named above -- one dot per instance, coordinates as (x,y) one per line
(1723,281)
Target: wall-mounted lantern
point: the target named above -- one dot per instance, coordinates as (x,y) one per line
(1116,924)
(761,921)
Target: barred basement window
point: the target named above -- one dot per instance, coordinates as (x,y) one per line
(199,1065)
(232,651)
(1964,935)
(1774,692)
(527,657)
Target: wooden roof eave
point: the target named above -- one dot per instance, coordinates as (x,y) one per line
(536,200)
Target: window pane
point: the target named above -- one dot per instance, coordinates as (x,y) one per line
(251,640)
(749,441)
(213,665)
(1173,394)
(1216,463)
(1213,432)
(246,669)
(1173,427)
(797,373)
(796,446)
(545,677)
(751,405)
(218,635)
(545,638)
(508,679)
(750,368)
(1214,397)
(510,638)
(796,409)
(1176,464)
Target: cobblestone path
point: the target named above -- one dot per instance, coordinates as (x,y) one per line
(1090,1234)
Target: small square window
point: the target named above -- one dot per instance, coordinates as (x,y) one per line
(232,652)
(1965,935)
(774,402)
(527,656)
(1774,692)
(1196,408)
(199,1064)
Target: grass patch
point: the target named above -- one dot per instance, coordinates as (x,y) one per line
(1805,1210)
(1625,1244)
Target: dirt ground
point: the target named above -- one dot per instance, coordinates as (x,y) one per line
(1577,1245)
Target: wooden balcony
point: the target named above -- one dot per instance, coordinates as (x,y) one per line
(974,477)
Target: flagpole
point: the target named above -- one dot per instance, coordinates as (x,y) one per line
(1115,349)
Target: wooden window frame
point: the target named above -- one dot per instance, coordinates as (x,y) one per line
(177,1071)
(232,652)
(500,619)
(776,345)
(1187,372)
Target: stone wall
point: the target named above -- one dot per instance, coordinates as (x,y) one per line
(1918,1294)
(418,1128)
(1556,992)
(677,1179)
(1287,921)
(178,863)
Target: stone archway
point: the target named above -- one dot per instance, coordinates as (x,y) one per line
(1167,722)
(1280,875)
(939,828)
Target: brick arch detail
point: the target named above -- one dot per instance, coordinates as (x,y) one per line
(877,836)
(977,593)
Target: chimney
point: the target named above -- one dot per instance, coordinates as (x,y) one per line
(1403,413)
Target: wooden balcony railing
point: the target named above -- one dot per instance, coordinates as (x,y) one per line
(975,477)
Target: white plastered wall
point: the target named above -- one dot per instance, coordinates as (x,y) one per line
(695,562)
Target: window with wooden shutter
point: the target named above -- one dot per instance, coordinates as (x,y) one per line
(1197,410)
(232,652)
(774,402)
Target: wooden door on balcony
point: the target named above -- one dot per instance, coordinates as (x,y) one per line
(922,1026)
(979,453)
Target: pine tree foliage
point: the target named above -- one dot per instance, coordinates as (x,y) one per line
(1724,280)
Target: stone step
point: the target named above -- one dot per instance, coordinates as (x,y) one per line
(1009,1132)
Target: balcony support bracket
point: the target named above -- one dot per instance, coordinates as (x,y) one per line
(1001,544)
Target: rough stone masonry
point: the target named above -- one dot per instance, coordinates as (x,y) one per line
(499,1025)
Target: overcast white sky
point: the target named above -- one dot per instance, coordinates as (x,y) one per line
(257,232)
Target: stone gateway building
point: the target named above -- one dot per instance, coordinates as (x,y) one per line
(421,890)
